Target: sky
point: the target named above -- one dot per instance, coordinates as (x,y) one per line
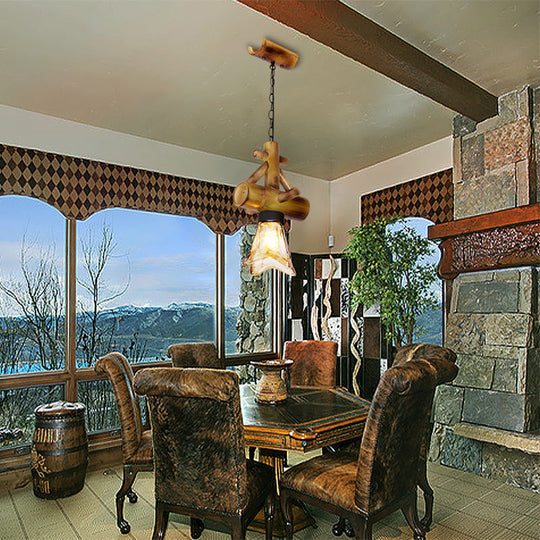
(164,259)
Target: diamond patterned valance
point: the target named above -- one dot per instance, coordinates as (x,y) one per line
(430,197)
(80,187)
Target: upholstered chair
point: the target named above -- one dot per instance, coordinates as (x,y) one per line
(203,355)
(200,464)
(406,354)
(136,442)
(378,480)
(315,362)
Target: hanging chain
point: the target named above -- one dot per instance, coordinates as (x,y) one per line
(271,99)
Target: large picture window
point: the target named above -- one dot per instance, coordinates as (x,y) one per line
(144,281)
(32,284)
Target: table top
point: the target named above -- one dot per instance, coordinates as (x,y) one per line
(311,418)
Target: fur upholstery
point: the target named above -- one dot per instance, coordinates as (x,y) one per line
(187,355)
(314,362)
(200,464)
(137,453)
(389,451)
(119,372)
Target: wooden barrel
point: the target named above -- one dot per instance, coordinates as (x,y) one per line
(59,450)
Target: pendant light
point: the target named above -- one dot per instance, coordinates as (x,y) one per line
(277,199)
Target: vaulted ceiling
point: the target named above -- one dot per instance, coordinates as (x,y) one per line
(179,72)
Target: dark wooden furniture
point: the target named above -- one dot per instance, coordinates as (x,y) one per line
(315,362)
(378,481)
(136,442)
(200,464)
(203,355)
(59,450)
(403,355)
(310,419)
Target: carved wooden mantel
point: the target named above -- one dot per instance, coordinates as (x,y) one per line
(503,239)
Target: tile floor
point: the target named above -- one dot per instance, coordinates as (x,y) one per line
(466,507)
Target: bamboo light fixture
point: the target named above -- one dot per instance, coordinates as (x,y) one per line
(277,199)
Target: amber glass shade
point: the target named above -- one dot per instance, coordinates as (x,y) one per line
(270,250)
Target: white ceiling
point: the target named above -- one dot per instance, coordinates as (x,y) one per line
(179,72)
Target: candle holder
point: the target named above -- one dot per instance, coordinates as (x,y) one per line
(271,388)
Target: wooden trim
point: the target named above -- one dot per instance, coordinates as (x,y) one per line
(340,27)
(71,308)
(484,222)
(24,380)
(220,293)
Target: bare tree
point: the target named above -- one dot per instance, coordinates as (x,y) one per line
(96,332)
(38,301)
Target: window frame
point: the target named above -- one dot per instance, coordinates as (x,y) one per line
(70,376)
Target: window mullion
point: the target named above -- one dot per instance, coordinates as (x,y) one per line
(220,295)
(71,307)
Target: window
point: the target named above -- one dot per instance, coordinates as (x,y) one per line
(144,281)
(32,284)
(248,299)
(17,412)
(432,319)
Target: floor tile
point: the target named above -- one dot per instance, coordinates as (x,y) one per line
(528,526)
(489,512)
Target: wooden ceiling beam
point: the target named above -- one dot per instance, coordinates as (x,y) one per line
(340,27)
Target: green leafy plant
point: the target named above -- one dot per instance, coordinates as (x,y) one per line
(393,273)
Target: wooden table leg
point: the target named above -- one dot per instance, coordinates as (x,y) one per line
(301,518)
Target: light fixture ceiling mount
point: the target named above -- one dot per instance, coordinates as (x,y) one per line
(273,204)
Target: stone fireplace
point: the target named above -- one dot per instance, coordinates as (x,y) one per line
(488,420)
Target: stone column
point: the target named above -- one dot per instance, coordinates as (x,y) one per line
(253,324)
(493,323)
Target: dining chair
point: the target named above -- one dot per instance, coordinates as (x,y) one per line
(200,466)
(202,355)
(315,362)
(136,442)
(378,481)
(406,354)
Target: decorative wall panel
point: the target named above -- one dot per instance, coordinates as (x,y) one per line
(430,197)
(316,275)
(80,187)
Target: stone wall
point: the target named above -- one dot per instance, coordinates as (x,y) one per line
(493,322)
(253,324)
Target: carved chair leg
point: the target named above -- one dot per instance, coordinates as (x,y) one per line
(343,526)
(411,515)
(269,515)
(196,527)
(428,495)
(286,510)
(238,530)
(362,529)
(160,525)
(339,527)
(125,488)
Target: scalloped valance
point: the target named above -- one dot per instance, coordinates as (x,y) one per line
(79,187)
(430,197)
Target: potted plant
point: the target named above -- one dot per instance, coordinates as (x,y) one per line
(394,274)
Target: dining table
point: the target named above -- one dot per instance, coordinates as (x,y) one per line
(311,418)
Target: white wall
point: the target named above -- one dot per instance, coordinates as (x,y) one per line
(346,191)
(42,132)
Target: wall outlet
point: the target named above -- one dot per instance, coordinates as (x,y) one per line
(330,240)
